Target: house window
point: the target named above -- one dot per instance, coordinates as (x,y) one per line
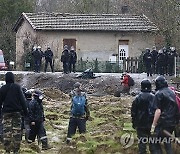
(70,42)
(123,49)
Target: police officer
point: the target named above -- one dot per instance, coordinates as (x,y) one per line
(142,113)
(48,54)
(166,114)
(37,59)
(41,54)
(73,59)
(147,59)
(171,60)
(36,117)
(12,103)
(65,59)
(160,62)
(154,54)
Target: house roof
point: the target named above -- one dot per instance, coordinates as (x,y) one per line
(90,22)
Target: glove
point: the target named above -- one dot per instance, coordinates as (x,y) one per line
(152,129)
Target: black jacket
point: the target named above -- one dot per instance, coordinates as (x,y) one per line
(73,56)
(165,100)
(142,110)
(48,54)
(36,111)
(11,97)
(65,57)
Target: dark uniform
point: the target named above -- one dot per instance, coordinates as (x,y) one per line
(36,117)
(37,59)
(65,59)
(154,54)
(13,103)
(73,59)
(142,113)
(171,60)
(77,121)
(147,59)
(165,102)
(48,54)
(28,96)
(161,62)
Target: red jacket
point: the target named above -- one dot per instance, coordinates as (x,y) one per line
(125,80)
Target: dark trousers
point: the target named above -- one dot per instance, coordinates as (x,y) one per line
(39,131)
(46,64)
(148,69)
(12,131)
(171,68)
(1,130)
(75,123)
(162,136)
(144,134)
(37,65)
(65,67)
(72,67)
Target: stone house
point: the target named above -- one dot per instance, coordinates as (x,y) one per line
(102,36)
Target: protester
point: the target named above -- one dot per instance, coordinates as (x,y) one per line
(73,59)
(12,104)
(166,114)
(36,117)
(28,96)
(79,112)
(65,59)
(142,113)
(127,82)
(48,54)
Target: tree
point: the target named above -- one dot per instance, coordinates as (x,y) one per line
(10,11)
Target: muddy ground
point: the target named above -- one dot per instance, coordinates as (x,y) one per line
(110,115)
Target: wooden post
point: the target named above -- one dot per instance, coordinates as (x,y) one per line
(124,64)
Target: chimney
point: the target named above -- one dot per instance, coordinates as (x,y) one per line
(125,9)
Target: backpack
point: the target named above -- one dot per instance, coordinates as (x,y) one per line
(130,81)
(78,105)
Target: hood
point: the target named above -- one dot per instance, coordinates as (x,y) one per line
(9,77)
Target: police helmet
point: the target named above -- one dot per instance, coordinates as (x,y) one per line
(28,94)
(161,82)
(146,85)
(38,94)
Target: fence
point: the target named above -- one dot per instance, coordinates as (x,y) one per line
(177,66)
(130,64)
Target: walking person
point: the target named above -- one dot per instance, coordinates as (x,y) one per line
(36,118)
(12,104)
(166,114)
(79,112)
(65,59)
(73,59)
(142,113)
(48,54)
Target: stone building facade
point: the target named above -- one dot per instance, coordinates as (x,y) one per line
(93,36)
